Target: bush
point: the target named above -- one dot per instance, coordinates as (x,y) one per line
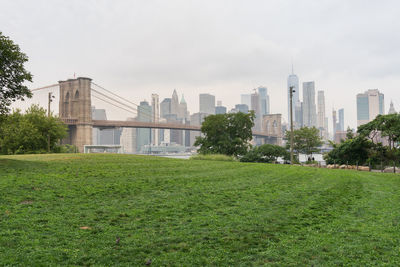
(215,157)
(265,153)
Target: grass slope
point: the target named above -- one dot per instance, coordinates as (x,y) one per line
(186,212)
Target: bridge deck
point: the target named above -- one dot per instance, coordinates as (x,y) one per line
(140,124)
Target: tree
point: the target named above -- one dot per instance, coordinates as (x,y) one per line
(266,153)
(227,134)
(27,133)
(12,74)
(305,140)
(351,151)
(382,125)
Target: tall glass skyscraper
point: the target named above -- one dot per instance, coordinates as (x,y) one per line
(369,105)
(264,100)
(341,120)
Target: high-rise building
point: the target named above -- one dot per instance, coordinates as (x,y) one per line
(104,136)
(143,134)
(264,100)
(128,138)
(298,115)
(220,110)
(321,113)
(207,103)
(293,81)
(341,120)
(245,99)
(174,103)
(309,108)
(391,109)
(256,107)
(165,107)
(242,108)
(334,124)
(155,108)
(183,112)
(369,105)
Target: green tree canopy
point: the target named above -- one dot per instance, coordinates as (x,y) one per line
(306,140)
(28,132)
(12,74)
(227,134)
(382,125)
(351,151)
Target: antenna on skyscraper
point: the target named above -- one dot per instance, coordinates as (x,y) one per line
(292,66)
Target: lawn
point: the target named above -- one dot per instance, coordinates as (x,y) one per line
(71,209)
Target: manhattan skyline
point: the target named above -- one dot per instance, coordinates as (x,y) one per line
(137,49)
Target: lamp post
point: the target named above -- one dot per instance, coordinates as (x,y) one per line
(48,115)
(291,123)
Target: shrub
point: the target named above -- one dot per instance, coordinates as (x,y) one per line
(265,153)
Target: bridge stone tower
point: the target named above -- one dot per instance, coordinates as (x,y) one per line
(75,107)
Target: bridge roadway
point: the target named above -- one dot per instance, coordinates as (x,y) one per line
(140,124)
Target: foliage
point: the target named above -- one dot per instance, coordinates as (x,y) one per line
(351,151)
(215,157)
(266,153)
(12,74)
(382,125)
(227,134)
(28,133)
(306,140)
(66,148)
(192,213)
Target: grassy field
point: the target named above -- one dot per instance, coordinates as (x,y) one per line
(70,210)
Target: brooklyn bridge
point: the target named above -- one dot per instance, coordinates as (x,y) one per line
(75,110)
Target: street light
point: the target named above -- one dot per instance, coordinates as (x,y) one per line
(48,115)
(291,122)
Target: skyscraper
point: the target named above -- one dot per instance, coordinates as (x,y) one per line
(391,109)
(143,134)
(341,120)
(321,113)
(219,109)
(309,108)
(293,81)
(242,108)
(298,115)
(256,107)
(369,105)
(155,107)
(165,107)
(174,103)
(245,99)
(207,103)
(264,100)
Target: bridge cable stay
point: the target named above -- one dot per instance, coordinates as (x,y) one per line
(44,87)
(143,112)
(114,105)
(132,110)
(130,102)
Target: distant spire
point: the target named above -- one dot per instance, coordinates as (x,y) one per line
(183,100)
(391,109)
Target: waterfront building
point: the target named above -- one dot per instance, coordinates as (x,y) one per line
(128,138)
(155,108)
(391,109)
(264,100)
(144,111)
(242,108)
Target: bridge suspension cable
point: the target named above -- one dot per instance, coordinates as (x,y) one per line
(45,87)
(114,105)
(142,112)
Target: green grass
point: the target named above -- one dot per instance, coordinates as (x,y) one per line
(217,157)
(193,213)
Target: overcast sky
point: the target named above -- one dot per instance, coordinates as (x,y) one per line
(225,48)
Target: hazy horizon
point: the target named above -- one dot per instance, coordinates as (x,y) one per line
(136,48)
